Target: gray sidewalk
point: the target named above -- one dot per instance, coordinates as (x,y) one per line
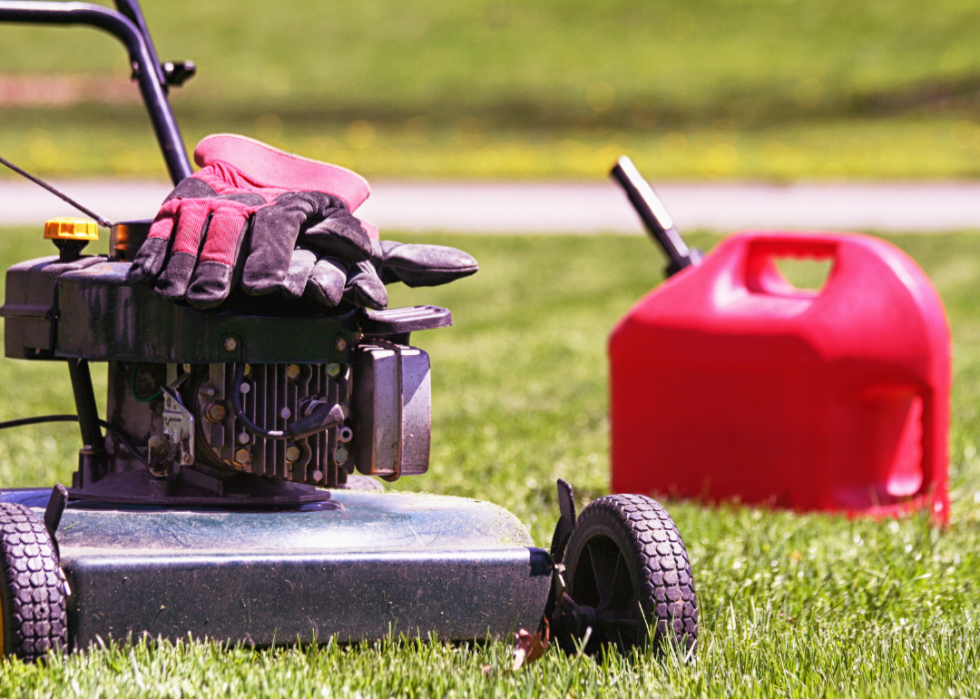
(536,207)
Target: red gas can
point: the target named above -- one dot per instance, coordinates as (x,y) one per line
(730,383)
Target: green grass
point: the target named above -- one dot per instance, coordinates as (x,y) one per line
(901,148)
(791,605)
(770,89)
(540,61)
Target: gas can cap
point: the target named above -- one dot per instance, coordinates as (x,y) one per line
(71,229)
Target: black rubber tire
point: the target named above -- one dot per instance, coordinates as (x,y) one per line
(626,567)
(32,586)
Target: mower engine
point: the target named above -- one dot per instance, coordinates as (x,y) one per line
(263,400)
(269,396)
(390,413)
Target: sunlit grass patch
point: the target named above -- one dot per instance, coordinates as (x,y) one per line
(87,143)
(796,605)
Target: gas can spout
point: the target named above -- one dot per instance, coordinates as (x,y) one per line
(655,217)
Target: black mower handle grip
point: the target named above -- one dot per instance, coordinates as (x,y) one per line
(655,217)
(122,25)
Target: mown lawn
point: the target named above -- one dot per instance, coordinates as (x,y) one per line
(791,605)
(772,89)
(538,61)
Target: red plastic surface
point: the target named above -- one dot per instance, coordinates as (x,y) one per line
(728,383)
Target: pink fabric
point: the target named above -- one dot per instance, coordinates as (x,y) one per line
(370,229)
(233,165)
(225,178)
(273,168)
(163,224)
(224,231)
(189,226)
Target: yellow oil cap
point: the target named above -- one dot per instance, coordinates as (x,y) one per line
(71,229)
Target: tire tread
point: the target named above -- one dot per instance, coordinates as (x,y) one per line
(667,594)
(35,608)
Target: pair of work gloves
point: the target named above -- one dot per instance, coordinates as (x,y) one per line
(275,222)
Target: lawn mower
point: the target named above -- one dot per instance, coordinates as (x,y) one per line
(234,494)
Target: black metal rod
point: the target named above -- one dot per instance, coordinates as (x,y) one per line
(115,431)
(655,217)
(131,9)
(64,197)
(40,419)
(88,413)
(152,87)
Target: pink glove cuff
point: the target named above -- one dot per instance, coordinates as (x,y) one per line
(274,168)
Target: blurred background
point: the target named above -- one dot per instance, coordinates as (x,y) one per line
(702,94)
(772,90)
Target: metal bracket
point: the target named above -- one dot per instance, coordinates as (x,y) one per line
(566,522)
(175,447)
(52,514)
(563,530)
(178,72)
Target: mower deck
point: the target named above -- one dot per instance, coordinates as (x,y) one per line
(360,565)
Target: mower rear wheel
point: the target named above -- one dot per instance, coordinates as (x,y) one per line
(628,578)
(32,586)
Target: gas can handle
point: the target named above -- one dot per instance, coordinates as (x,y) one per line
(761,273)
(798,245)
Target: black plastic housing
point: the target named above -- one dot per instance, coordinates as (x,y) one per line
(85,309)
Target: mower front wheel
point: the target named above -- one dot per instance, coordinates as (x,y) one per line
(627,578)
(32,586)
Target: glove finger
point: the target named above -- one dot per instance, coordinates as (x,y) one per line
(153,252)
(364,288)
(340,234)
(275,229)
(192,188)
(423,265)
(327,281)
(214,275)
(191,222)
(300,270)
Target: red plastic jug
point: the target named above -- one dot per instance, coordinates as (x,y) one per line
(729,383)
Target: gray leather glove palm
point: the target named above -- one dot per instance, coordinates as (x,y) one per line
(330,279)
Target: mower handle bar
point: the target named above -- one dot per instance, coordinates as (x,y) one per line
(131,9)
(129,27)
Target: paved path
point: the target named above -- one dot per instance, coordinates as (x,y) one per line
(511,207)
